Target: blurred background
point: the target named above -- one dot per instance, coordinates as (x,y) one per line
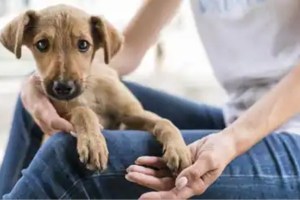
(177,63)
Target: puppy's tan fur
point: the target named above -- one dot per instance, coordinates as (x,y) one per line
(103,99)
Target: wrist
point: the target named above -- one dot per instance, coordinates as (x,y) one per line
(229,143)
(240,139)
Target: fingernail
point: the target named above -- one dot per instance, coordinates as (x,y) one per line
(128,169)
(137,161)
(181,183)
(128,178)
(73,134)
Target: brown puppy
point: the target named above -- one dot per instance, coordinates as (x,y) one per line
(64,41)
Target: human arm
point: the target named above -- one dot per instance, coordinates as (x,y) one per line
(214,152)
(142,32)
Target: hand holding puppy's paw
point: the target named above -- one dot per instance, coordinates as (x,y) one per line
(177,157)
(92,151)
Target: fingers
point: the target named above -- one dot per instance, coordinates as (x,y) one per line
(151,161)
(141,169)
(152,182)
(153,195)
(172,194)
(175,193)
(191,173)
(51,120)
(44,127)
(181,182)
(48,119)
(149,171)
(59,123)
(191,177)
(204,164)
(155,179)
(197,177)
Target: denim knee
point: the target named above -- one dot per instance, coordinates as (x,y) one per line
(123,146)
(60,149)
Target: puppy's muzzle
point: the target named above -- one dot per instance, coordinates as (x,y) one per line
(63,90)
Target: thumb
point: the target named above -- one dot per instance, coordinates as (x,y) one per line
(189,174)
(59,123)
(181,182)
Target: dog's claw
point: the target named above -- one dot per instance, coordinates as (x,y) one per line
(104,158)
(83,153)
(83,159)
(92,151)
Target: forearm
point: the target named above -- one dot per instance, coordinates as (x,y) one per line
(269,113)
(142,32)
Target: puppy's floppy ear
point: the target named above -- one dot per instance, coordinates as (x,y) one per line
(106,36)
(13,34)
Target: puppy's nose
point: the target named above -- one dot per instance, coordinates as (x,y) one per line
(64,89)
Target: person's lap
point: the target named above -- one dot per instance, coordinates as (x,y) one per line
(270,169)
(263,172)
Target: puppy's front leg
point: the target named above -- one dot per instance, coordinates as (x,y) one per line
(176,153)
(91,144)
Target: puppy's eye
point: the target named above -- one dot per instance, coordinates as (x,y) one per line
(83,45)
(42,45)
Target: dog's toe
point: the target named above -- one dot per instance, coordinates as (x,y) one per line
(83,149)
(177,158)
(103,156)
(172,159)
(93,151)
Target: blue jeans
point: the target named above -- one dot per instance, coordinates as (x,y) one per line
(271,169)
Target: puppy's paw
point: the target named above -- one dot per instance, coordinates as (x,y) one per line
(92,151)
(176,153)
(176,157)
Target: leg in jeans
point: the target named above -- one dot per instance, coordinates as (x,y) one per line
(25,136)
(271,169)
(24,141)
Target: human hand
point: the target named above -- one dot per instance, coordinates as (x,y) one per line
(211,155)
(41,109)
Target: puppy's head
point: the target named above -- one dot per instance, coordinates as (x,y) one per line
(63,40)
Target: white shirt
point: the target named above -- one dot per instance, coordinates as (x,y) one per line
(251,45)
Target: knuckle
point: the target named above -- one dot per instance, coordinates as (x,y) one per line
(194,173)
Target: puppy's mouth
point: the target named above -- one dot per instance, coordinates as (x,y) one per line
(63,90)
